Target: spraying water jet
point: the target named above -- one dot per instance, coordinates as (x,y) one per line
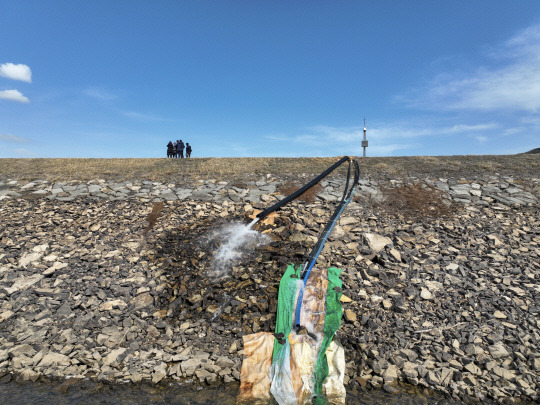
(236,240)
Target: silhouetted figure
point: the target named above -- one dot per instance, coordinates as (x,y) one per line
(180,149)
(188,150)
(170,150)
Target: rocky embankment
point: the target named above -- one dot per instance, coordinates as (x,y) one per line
(109,281)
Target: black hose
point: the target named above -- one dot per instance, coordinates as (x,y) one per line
(347,194)
(302,190)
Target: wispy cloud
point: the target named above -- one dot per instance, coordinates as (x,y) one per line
(481,138)
(142,116)
(12,138)
(322,133)
(16,72)
(100,93)
(384,139)
(25,152)
(512,84)
(13,95)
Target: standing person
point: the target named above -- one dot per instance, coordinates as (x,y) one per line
(175,150)
(180,148)
(170,149)
(188,150)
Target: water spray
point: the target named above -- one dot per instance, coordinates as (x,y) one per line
(235,240)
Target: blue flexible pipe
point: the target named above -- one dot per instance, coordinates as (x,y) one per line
(347,197)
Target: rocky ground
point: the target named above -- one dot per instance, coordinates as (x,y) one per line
(109,280)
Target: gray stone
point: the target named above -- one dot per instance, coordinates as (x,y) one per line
(504,373)
(159,373)
(114,356)
(94,188)
(498,351)
(189,366)
(473,369)
(390,374)
(22,283)
(54,359)
(142,301)
(377,242)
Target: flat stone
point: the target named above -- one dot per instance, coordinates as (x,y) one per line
(113,356)
(473,369)
(377,242)
(159,373)
(54,359)
(498,351)
(109,305)
(142,301)
(426,294)
(94,188)
(189,366)
(28,258)
(504,373)
(22,283)
(391,373)
(350,315)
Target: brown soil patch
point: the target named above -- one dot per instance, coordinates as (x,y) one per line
(416,201)
(308,196)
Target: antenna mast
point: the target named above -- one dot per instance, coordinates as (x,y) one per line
(364,142)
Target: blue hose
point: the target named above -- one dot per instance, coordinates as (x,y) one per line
(347,197)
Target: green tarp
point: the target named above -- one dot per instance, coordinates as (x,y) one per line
(332,320)
(285,308)
(288,287)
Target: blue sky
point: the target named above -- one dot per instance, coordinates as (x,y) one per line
(268,78)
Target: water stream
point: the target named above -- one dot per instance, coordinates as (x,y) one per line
(235,241)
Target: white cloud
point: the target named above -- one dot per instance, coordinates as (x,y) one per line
(13,95)
(12,138)
(16,72)
(513,83)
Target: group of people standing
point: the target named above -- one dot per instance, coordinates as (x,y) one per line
(176,150)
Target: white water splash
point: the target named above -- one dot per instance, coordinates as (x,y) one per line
(236,241)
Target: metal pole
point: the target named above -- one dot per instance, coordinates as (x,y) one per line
(364,142)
